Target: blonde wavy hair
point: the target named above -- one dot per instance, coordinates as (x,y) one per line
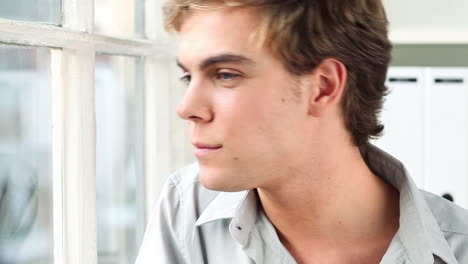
(302,33)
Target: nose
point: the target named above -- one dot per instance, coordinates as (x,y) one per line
(196,104)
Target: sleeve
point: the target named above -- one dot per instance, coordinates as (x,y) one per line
(162,242)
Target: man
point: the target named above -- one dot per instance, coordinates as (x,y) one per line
(282,98)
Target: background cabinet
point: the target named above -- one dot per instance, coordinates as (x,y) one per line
(426,127)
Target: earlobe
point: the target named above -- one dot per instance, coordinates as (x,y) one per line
(330,80)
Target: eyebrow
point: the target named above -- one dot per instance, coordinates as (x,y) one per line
(221,58)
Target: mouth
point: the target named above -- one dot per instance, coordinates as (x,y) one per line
(202,149)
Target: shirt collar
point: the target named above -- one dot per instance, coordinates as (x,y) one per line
(419,231)
(224,206)
(241,207)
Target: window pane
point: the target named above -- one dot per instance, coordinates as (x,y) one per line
(25,156)
(119,176)
(121,18)
(47,11)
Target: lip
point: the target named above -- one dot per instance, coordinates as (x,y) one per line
(202,149)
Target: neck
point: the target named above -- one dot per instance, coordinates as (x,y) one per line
(338,202)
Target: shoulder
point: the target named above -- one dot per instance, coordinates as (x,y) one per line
(450,217)
(184,192)
(182,180)
(453,222)
(169,234)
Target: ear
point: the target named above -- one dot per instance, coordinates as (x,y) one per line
(330,78)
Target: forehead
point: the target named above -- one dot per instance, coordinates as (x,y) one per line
(225,30)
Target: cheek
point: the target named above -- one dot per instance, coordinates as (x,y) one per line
(254,126)
(259,121)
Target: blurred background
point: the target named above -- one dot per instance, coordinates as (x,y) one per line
(426,117)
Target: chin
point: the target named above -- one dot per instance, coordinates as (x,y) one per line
(220,180)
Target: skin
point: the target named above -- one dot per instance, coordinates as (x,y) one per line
(284,136)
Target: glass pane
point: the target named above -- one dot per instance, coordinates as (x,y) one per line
(47,11)
(25,156)
(119,176)
(120,18)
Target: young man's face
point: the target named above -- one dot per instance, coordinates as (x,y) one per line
(247,117)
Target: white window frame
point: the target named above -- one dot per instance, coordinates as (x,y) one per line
(73,115)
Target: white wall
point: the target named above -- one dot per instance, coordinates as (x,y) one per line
(428,21)
(427,14)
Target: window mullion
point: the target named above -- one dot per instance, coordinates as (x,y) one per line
(57,153)
(79,157)
(78,15)
(158,112)
(157,122)
(79,139)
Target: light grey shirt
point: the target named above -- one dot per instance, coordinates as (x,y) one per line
(192,224)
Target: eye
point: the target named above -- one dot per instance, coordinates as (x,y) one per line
(226,76)
(186,79)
